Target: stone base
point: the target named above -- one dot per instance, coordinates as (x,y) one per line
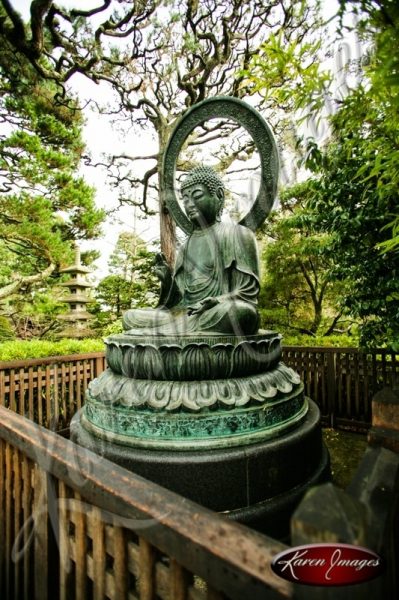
(259,484)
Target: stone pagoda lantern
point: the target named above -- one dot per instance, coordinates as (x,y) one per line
(77,319)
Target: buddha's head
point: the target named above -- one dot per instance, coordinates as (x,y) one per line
(203,196)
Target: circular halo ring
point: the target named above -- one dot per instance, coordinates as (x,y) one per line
(248,117)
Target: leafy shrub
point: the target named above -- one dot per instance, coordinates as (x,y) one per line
(21,349)
(114,327)
(329,341)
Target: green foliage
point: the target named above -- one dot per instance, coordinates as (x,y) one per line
(329,341)
(45,204)
(114,327)
(281,66)
(33,314)
(361,183)
(297,289)
(6,330)
(132,284)
(354,204)
(19,350)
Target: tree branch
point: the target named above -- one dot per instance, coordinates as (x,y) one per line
(22,281)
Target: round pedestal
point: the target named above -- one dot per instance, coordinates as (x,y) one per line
(258,484)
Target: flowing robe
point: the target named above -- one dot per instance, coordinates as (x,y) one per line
(219,263)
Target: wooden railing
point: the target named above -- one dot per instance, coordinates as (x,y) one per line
(341,380)
(76,526)
(49,390)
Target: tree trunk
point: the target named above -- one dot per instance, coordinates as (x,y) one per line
(167,224)
(167,228)
(318,313)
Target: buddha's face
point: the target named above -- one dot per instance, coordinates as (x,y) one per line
(201,206)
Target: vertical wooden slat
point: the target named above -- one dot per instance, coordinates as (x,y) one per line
(146,570)
(40,396)
(65,413)
(40,511)
(323,384)
(2,387)
(55,395)
(395,367)
(310,372)
(384,367)
(27,515)
(98,555)
(374,372)
(331,387)
(179,581)
(21,396)
(85,379)
(356,383)
(99,368)
(3,513)
(78,384)
(366,390)
(31,388)
(348,387)
(9,517)
(65,560)
(71,395)
(12,405)
(48,397)
(17,490)
(80,550)
(338,380)
(120,564)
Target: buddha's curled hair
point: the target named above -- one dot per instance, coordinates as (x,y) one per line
(205,175)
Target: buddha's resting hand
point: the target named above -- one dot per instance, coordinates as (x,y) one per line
(200,307)
(161,268)
(164,274)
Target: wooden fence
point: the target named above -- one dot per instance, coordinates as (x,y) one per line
(49,390)
(74,526)
(341,380)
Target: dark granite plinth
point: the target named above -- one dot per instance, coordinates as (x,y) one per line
(258,484)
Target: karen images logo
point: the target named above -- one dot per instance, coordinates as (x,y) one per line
(327,564)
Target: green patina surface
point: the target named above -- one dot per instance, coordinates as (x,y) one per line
(147,424)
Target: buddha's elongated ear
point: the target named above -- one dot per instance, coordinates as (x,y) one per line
(220,197)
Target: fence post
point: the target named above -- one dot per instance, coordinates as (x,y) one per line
(331,387)
(99,366)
